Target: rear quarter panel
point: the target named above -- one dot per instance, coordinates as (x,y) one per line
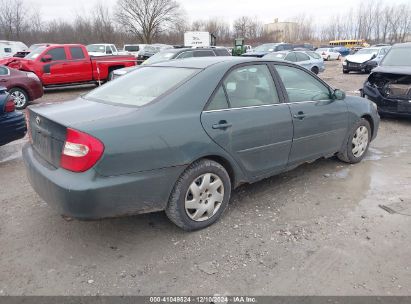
(101,65)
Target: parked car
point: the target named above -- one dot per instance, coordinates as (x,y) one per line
(305,46)
(359,61)
(12,123)
(63,64)
(133,49)
(313,63)
(264,49)
(9,48)
(180,135)
(170,54)
(150,50)
(328,54)
(102,49)
(373,63)
(22,86)
(342,50)
(389,85)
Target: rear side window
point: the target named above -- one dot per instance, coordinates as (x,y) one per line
(250,86)
(4,70)
(302,56)
(7,50)
(57,54)
(219,101)
(301,86)
(314,55)
(142,86)
(221,52)
(77,53)
(291,57)
(185,55)
(203,54)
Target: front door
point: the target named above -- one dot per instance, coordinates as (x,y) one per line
(245,117)
(320,121)
(56,70)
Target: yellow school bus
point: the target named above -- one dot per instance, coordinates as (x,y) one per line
(349,43)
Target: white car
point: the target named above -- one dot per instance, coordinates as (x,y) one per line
(102,49)
(9,48)
(328,54)
(133,49)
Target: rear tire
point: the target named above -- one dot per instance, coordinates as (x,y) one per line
(357,144)
(200,195)
(346,71)
(315,70)
(328,58)
(110,76)
(21,98)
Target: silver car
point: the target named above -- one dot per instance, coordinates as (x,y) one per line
(309,60)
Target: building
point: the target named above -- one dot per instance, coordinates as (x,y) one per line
(281,31)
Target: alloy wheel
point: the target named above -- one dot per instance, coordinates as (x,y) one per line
(19,99)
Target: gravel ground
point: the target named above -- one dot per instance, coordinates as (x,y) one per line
(316,230)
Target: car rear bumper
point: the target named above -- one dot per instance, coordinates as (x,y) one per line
(388,106)
(12,127)
(90,196)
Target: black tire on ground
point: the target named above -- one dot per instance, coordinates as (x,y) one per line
(347,155)
(346,71)
(339,57)
(176,210)
(315,70)
(21,98)
(328,58)
(110,76)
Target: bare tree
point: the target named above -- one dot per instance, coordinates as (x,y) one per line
(147,18)
(12,18)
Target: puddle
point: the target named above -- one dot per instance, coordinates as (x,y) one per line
(342,173)
(373,154)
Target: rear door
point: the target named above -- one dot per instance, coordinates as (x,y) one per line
(57,70)
(320,122)
(246,118)
(79,68)
(303,60)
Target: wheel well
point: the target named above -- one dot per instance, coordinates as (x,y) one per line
(116,67)
(371,122)
(227,166)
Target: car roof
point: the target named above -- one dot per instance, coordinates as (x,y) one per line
(205,62)
(402,45)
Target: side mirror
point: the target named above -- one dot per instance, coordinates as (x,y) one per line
(47,58)
(374,56)
(338,94)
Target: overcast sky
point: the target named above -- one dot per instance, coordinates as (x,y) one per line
(265,10)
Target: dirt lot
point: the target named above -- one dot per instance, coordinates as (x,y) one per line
(317,230)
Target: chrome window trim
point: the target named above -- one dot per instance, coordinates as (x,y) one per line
(268,105)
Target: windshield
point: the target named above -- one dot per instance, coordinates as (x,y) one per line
(151,49)
(367,51)
(322,50)
(265,47)
(131,48)
(141,86)
(397,57)
(163,56)
(36,53)
(96,48)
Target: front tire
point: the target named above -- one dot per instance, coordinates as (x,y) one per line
(357,144)
(200,195)
(315,70)
(21,98)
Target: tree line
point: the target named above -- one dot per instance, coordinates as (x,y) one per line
(165,21)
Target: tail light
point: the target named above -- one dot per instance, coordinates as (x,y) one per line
(323,53)
(10,106)
(81,151)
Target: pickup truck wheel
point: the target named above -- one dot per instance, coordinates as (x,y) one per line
(357,143)
(21,98)
(200,195)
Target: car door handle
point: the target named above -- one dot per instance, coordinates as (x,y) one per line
(3,80)
(300,115)
(222,125)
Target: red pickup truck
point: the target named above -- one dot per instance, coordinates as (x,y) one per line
(63,64)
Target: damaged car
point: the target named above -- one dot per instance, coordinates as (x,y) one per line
(389,85)
(363,60)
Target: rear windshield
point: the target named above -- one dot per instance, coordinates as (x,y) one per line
(162,56)
(131,48)
(276,56)
(141,86)
(314,55)
(367,51)
(397,57)
(96,48)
